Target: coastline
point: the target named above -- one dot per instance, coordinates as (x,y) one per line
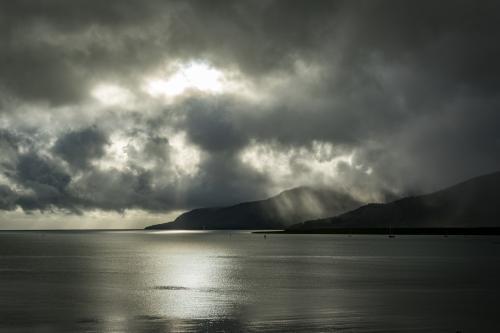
(486,231)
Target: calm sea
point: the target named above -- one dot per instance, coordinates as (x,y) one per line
(137,281)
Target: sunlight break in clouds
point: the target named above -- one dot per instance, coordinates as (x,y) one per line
(191,76)
(109,94)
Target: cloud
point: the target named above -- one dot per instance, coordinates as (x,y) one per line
(403,94)
(45,181)
(211,124)
(80,147)
(8,198)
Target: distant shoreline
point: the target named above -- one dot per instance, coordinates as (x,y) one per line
(482,231)
(393,231)
(65,230)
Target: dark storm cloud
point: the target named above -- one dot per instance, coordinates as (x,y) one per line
(53,50)
(47,181)
(211,125)
(450,37)
(8,198)
(79,148)
(411,87)
(224,180)
(10,144)
(118,190)
(35,170)
(43,183)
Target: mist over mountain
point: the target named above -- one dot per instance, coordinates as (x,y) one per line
(474,203)
(277,212)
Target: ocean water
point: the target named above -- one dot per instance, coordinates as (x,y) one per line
(138,281)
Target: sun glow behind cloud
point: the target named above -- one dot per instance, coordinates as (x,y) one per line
(110,94)
(177,79)
(192,76)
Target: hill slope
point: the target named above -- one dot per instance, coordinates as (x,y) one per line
(472,204)
(278,212)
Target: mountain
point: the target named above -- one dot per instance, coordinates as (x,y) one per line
(472,204)
(277,212)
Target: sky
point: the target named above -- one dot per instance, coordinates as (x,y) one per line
(125,113)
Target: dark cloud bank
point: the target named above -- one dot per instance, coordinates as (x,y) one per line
(409,89)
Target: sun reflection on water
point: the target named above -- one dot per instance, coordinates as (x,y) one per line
(189,285)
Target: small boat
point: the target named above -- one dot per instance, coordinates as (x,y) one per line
(391,235)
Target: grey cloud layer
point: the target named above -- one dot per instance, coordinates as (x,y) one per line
(411,88)
(80,147)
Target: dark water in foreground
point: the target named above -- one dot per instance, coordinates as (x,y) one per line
(239,282)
